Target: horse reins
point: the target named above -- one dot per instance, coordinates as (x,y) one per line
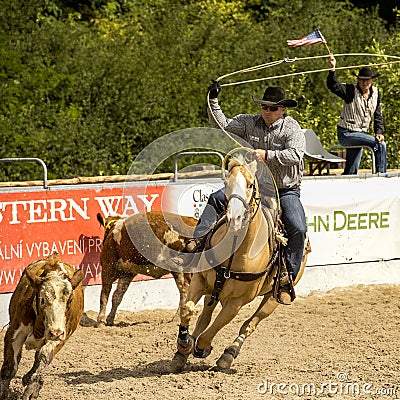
(224,272)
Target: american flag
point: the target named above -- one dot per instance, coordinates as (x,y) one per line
(314,37)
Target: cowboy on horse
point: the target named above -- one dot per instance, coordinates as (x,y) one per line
(278,140)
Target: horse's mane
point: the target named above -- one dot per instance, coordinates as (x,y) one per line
(269,197)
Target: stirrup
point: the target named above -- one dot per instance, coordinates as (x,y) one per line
(284,279)
(193,247)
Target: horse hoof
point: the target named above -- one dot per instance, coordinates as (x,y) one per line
(178,363)
(225,361)
(32,390)
(202,353)
(26,379)
(186,350)
(3,390)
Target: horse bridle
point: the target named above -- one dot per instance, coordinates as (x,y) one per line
(224,272)
(246,204)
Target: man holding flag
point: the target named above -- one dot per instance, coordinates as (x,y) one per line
(361,106)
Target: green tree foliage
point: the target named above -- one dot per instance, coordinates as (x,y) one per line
(87,85)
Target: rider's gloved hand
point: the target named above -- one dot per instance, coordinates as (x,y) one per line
(214,89)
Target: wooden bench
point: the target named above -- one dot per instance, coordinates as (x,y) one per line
(340,147)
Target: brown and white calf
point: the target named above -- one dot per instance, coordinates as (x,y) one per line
(121,259)
(45,309)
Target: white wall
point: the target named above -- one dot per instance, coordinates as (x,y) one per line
(353,225)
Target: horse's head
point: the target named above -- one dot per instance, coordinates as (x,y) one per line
(241,192)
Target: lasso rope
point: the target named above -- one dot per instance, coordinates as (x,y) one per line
(307,72)
(278,62)
(292,60)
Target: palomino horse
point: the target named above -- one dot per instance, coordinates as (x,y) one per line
(249,271)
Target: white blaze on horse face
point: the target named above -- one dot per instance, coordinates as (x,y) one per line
(236,211)
(54,294)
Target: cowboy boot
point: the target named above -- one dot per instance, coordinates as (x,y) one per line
(286,291)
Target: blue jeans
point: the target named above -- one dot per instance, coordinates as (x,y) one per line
(213,211)
(294,221)
(293,218)
(353,156)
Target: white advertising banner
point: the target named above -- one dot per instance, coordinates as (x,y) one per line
(189,199)
(352,224)
(349,220)
(352,220)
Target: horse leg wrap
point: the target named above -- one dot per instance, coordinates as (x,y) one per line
(185,342)
(183,333)
(201,353)
(234,349)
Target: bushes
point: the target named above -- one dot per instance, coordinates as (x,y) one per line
(88,86)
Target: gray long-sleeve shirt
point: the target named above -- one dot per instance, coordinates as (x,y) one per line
(283,142)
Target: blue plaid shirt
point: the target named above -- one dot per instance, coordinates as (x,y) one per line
(283,141)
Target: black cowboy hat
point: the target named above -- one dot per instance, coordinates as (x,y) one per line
(275,96)
(365,73)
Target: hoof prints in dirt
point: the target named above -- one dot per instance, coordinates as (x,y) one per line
(352,331)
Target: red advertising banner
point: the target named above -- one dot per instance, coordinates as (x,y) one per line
(35,222)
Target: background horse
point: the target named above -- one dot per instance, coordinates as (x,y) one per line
(250,235)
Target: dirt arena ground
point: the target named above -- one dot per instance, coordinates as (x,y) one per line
(343,344)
